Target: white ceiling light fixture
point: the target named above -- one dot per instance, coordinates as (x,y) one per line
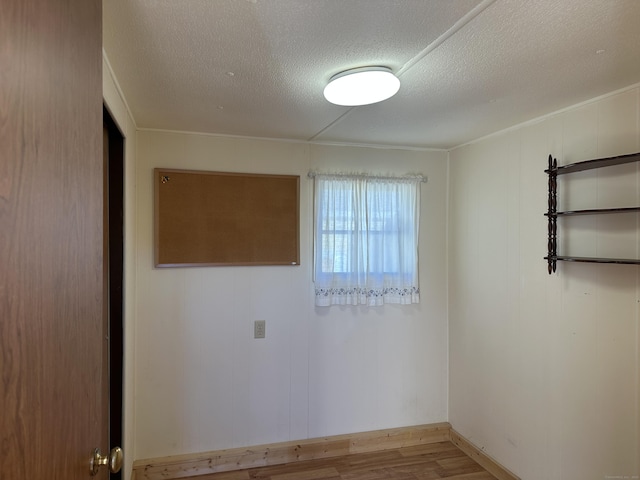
(362,86)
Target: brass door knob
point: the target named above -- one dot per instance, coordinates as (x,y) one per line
(114,460)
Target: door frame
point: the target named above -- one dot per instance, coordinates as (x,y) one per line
(114,255)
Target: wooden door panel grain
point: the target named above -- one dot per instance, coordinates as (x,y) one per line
(51,321)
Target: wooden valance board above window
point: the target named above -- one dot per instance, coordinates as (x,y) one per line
(221,218)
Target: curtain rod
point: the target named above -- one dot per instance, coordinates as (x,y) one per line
(422,178)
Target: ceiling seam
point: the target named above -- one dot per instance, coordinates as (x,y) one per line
(464,20)
(455,28)
(337,120)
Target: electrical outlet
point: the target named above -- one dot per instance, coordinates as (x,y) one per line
(259,328)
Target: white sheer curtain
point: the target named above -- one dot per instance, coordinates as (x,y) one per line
(366,240)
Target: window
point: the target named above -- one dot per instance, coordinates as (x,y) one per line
(366,240)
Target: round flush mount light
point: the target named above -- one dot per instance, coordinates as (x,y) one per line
(362,86)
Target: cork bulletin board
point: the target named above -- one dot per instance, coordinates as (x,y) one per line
(222,218)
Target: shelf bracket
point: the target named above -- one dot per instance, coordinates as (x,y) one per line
(551,215)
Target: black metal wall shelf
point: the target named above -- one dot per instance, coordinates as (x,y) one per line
(626,261)
(591,164)
(552,214)
(595,211)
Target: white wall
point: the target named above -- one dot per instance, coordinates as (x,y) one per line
(544,372)
(117,106)
(203,383)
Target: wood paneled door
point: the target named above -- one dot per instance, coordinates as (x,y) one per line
(52,326)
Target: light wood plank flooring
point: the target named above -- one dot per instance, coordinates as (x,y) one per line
(423,462)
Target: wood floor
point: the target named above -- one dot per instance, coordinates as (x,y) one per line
(423,462)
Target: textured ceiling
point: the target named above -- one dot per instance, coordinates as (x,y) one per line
(467,68)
